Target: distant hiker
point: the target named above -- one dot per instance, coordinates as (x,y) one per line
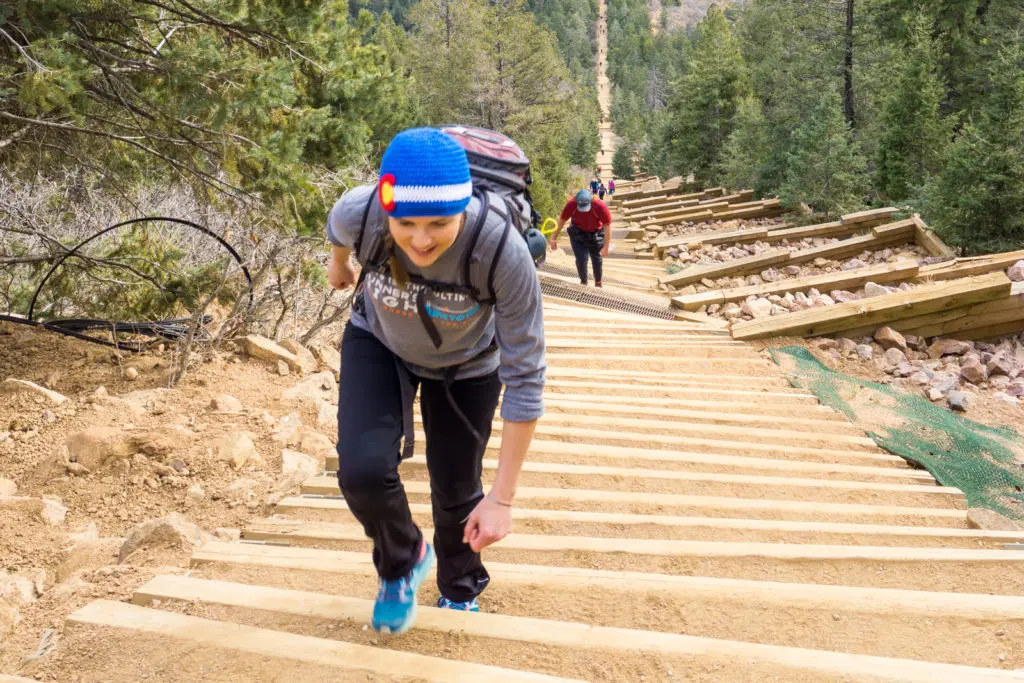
(600,191)
(611,188)
(594,184)
(416,324)
(590,233)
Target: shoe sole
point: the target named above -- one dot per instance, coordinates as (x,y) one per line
(411,619)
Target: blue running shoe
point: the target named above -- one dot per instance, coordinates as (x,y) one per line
(445,603)
(395,609)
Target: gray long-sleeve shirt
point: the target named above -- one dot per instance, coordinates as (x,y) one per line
(467,326)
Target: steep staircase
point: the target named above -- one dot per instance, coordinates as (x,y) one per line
(684,515)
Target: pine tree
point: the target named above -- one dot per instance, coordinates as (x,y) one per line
(747,150)
(622,162)
(977,200)
(826,169)
(705,98)
(914,133)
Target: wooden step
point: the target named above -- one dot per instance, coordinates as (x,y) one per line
(601,642)
(669,527)
(856,565)
(645,502)
(548,451)
(708,483)
(264,643)
(705,365)
(818,418)
(614,391)
(773,382)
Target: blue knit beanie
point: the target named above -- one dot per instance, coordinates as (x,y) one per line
(424,173)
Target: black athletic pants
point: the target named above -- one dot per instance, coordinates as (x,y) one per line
(370,433)
(586,244)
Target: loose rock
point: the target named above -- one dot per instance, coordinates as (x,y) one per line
(758,308)
(8,487)
(949,347)
(872,289)
(93,447)
(890,339)
(14,386)
(304,357)
(959,400)
(974,372)
(226,403)
(865,351)
(172,531)
(264,349)
(1016,271)
(236,448)
(294,462)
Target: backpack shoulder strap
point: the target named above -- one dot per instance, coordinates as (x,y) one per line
(478,227)
(377,255)
(497,254)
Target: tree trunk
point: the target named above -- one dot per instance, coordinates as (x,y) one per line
(848,67)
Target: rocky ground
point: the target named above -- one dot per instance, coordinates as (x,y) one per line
(983,379)
(107,477)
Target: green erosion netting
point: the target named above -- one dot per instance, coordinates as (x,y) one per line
(986,463)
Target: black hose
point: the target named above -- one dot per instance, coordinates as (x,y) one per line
(172,329)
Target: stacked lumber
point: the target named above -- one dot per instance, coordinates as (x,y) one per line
(876,238)
(889,309)
(889,272)
(775,234)
(713,209)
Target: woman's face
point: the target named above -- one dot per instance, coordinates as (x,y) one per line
(424,239)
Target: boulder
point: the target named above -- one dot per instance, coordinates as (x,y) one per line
(293,462)
(173,532)
(286,430)
(1003,363)
(1016,271)
(959,401)
(731,311)
(315,388)
(841,296)
(974,372)
(330,358)
(854,264)
(758,308)
(948,347)
(847,347)
(894,359)
(225,403)
(865,351)
(945,382)
(306,359)
(889,338)
(93,447)
(236,449)
(317,445)
(264,349)
(16,386)
(915,342)
(792,271)
(872,289)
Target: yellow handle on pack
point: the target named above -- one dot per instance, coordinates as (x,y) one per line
(548,227)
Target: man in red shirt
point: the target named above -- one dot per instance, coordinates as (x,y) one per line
(590,232)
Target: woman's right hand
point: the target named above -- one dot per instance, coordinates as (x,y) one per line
(554,243)
(340,273)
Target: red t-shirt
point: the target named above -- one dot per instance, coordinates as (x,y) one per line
(592,220)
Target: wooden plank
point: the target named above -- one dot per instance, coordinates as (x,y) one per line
(290,646)
(975,265)
(879,310)
(804,488)
(927,239)
(823,597)
(893,233)
(697,216)
(847,279)
(717,237)
(548,633)
(752,212)
(637,203)
(833,229)
(870,214)
(956,322)
(673,213)
(641,211)
(716,270)
(299,504)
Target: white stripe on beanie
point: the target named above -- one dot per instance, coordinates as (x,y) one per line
(429,194)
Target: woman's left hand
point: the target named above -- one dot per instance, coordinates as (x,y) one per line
(487,524)
(605,249)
